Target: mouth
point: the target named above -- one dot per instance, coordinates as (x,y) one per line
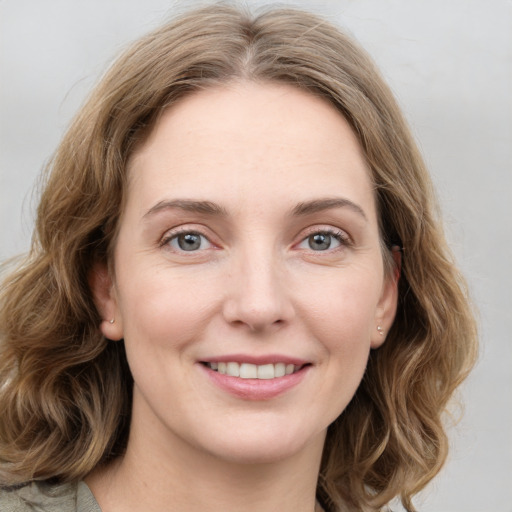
(256,378)
(253,371)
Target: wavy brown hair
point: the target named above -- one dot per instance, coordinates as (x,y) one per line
(65,391)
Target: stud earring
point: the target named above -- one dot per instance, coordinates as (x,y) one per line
(111,321)
(381,330)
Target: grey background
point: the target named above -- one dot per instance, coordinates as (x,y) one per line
(450,65)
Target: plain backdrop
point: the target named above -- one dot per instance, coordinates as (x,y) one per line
(449,63)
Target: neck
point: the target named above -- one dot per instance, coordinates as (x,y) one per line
(169,475)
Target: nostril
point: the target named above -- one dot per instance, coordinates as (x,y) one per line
(257,308)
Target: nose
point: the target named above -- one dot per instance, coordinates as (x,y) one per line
(257,296)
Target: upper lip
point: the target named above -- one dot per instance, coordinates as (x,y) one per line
(257,360)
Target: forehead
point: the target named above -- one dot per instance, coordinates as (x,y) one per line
(242,140)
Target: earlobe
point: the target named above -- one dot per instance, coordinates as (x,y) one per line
(104,296)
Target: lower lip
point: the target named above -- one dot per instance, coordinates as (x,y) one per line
(255,389)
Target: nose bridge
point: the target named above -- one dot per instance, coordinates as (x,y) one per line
(257,295)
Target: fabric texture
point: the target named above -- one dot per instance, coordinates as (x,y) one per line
(43,497)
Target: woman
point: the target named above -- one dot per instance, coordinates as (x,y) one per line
(239,296)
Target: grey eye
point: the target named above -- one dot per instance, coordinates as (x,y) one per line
(189,242)
(320,241)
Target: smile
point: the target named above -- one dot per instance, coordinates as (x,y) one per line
(253,371)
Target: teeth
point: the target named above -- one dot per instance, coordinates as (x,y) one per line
(280,370)
(252,371)
(266,371)
(233,369)
(248,371)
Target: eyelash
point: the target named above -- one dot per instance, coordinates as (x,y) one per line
(169,237)
(340,236)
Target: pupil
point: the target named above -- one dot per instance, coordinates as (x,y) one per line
(189,242)
(320,242)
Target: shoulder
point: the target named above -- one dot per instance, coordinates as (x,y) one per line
(44,497)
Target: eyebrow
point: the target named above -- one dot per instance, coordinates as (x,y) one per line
(319,205)
(204,207)
(211,208)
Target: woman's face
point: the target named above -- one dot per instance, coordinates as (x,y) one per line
(249,245)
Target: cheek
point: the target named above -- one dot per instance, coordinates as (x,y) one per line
(161,318)
(161,311)
(341,308)
(341,320)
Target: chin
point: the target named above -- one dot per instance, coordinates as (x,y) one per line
(265,445)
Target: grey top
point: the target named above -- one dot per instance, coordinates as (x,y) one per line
(43,497)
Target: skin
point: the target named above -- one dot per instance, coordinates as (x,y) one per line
(270,158)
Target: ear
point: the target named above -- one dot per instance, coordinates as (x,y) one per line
(104,296)
(386,308)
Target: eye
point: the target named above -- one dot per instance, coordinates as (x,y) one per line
(323,241)
(188,241)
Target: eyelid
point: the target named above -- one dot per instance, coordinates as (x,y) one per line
(172,233)
(325,228)
(339,234)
